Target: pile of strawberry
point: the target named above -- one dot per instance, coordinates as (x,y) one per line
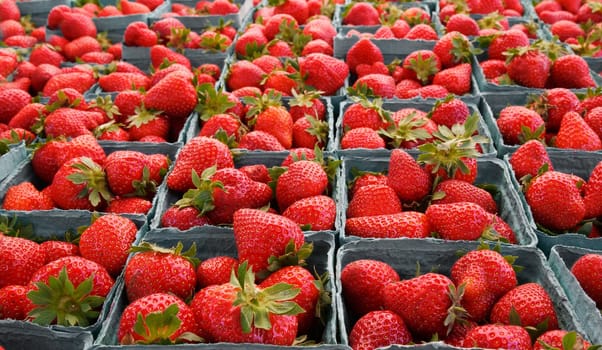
(479,304)
(558,117)
(60,282)
(253,299)
(581,12)
(17,31)
(559,201)
(489,24)
(212,190)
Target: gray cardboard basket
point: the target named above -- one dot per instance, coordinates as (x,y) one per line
(140,57)
(395,105)
(200,22)
(9,161)
(22,335)
(39,9)
(490,171)
(115,26)
(404,254)
(210,244)
(571,162)
(561,261)
(54,225)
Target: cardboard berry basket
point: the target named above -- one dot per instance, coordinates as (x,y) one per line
(439,256)
(200,22)
(561,261)
(211,244)
(165,197)
(58,225)
(22,335)
(394,105)
(16,154)
(490,171)
(24,172)
(39,9)
(430,6)
(572,162)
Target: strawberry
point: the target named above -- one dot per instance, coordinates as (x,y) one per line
(361,13)
(160,53)
(381,85)
(574,133)
(81,82)
(363,52)
(379,329)
(297,8)
(493,69)
(71,122)
(126,102)
(566,29)
(132,8)
(248,41)
(143,275)
(560,339)
(591,193)
(496,336)
(137,326)
(422,65)
(532,304)
(161,97)
(79,184)
(449,112)
(362,137)
(215,271)
(183,218)
(260,140)
(422,302)
(309,132)
(462,23)
(25,196)
(145,123)
(316,212)
(320,29)
(220,316)
(14,303)
(139,34)
(508,39)
(11,102)
(553,104)
(363,282)
(528,67)
(593,118)
(302,179)
(409,180)
(58,249)
(365,113)
(410,224)
(385,196)
(129,205)
(271,117)
(324,73)
(117,81)
(244,74)
(75,25)
(458,221)
(366,179)
(579,76)
(260,236)
(422,31)
(9,11)
(586,270)
(198,154)
(107,241)
(518,124)
(529,158)
(21,259)
(80,46)
(456,80)
(452,191)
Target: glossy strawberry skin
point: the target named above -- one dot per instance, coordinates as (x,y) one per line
(587,270)
(215,270)
(410,224)
(458,221)
(377,329)
(21,259)
(409,180)
(302,179)
(317,211)
(14,303)
(498,336)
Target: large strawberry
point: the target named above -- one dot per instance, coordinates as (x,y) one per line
(587,269)
(372,200)
(302,179)
(409,180)
(25,196)
(14,303)
(529,158)
(174,95)
(451,191)
(493,336)
(575,133)
(316,212)
(21,258)
(458,221)
(378,329)
(528,67)
(410,224)
(271,117)
(364,51)
(144,272)
(261,236)
(107,241)
(324,73)
(128,173)
(158,318)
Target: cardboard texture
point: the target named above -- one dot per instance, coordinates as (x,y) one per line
(490,171)
(210,244)
(23,335)
(404,254)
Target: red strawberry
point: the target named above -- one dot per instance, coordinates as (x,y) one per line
(324,73)
(81,82)
(107,241)
(461,191)
(71,122)
(378,329)
(529,158)
(21,259)
(553,104)
(363,52)
(361,13)
(532,303)
(558,338)
(136,317)
(316,212)
(302,179)
(9,10)
(132,8)
(579,76)
(260,235)
(410,181)
(139,34)
(462,23)
(363,282)
(410,224)
(260,140)
(143,274)
(58,249)
(75,25)
(25,196)
(183,218)
(493,68)
(449,112)
(174,95)
(125,172)
(11,102)
(80,46)
(216,270)
(383,198)
(14,303)
(529,67)
(118,81)
(362,137)
(458,221)
(586,270)
(129,205)
(456,80)
(513,120)
(592,192)
(498,337)
(422,32)
(244,74)
(382,85)
(574,133)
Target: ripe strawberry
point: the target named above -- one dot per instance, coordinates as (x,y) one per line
(316,212)
(379,329)
(132,8)
(458,221)
(249,39)
(381,85)
(529,67)
(586,270)
(496,336)
(363,52)
(592,192)
(160,53)
(574,133)
(136,326)
(79,184)
(361,13)
(461,191)
(449,112)
(198,154)
(559,338)
(260,235)
(529,158)
(518,124)
(79,81)
(11,102)
(25,196)
(117,81)
(21,259)
(80,46)
(579,76)
(410,224)
(593,118)
(553,104)
(139,34)
(302,179)
(324,73)
(260,140)
(362,137)
(422,31)
(161,97)
(183,218)
(219,316)
(505,40)
(125,173)
(532,303)
(129,205)
(143,275)
(409,180)
(14,303)
(385,196)
(9,11)
(71,122)
(422,302)
(456,80)
(75,25)
(493,69)
(107,241)
(215,271)
(363,282)
(462,23)
(58,249)
(364,113)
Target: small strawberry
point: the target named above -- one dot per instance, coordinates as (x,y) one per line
(506,40)
(519,124)
(529,158)
(302,179)
(58,249)
(409,180)
(161,97)
(579,76)
(363,51)
(75,25)
(25,196)
(129,205)
(385,196)
(324,73)
(456,80)
(410,224)
(183,218)
(361,13)
(496,336)
(560,339)
(378,329)
(452,191)
(458,221)
(528,67)
(215,271)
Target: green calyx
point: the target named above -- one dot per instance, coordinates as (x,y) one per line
(408,129)
(455,313)
(144,187)
(291,256)
(257,305)
(93,177)
(304,99)
(62,303)
(211,101)
(317,128)
(201,197)
(491,21)
(424,66)
(260,103)
(106,104)
(159,328)
(141,117)
(215,43)
(190,254)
